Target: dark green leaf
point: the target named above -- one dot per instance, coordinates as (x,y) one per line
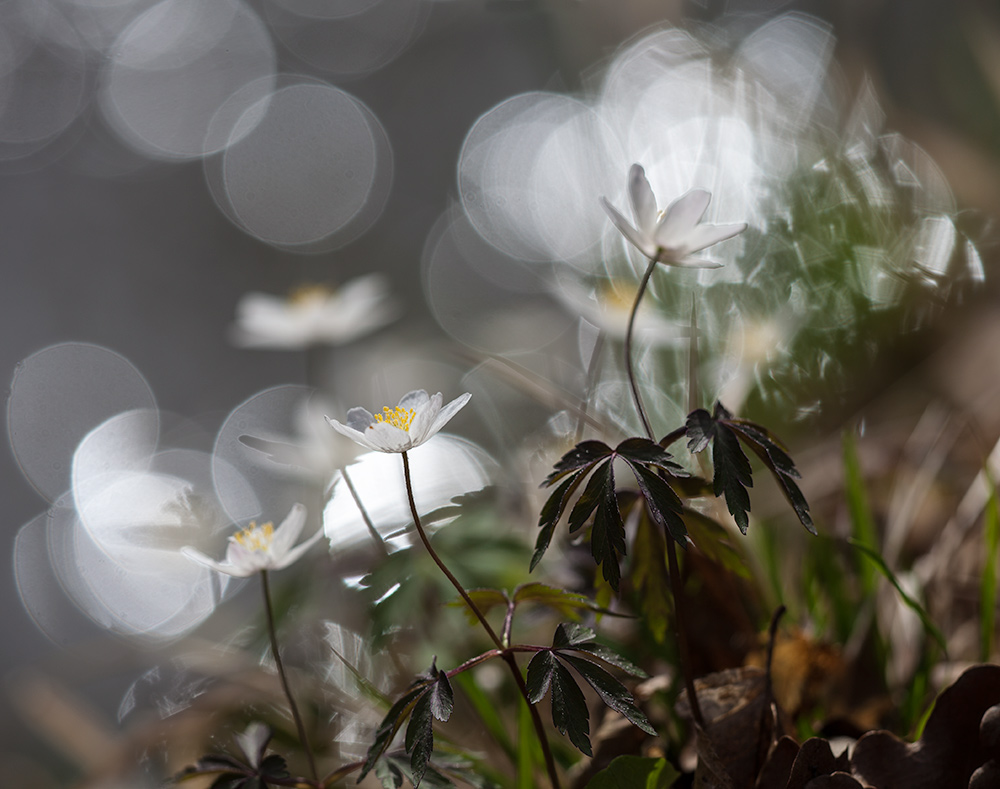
(420,737)
(611,657)
(540,669)
(700,429)
(781,466)
(671,437)
(566,603)
(579,457)
(390,724)
(611,691)
(661,501)
(635,772)
(607,537)
(732,475)
(596,489)
(571,634)
(551,512)
(273,766)
(569,709)
(649,453)
(389,774)
(442,698)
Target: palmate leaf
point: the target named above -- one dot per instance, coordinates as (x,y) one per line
(732,473)
(652,466)
(546,672)
(430,696)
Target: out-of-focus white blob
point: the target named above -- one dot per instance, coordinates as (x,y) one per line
(347,38)
(273,440)
(865,123)
(124,443)
(790,56)
(913,168)
(308,169)
(607,304)
(177,66)
(441,469)
(40,55)
(752,345)
(42,592)
(472,306)
(933,247)
(314,315)
(57,397)
(326,9)
(528,172)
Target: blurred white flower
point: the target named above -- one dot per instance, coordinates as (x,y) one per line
(314,314)
(257,548)
(672,235)
(608,304)
(415,420)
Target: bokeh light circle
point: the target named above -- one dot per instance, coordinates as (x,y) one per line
(176,65)
(308,168)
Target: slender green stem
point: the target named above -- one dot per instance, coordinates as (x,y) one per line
(372,531)
(507,657)
(636,398)
(592,365)
(281,674)
(676,587)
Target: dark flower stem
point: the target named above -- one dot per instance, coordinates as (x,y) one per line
(636,398)
(508,656)
(281,674)
(676,587)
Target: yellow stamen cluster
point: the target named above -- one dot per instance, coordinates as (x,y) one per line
(617,295)
(397,417)
(255,539)
(304,295)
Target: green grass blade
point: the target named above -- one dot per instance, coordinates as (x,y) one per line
(486,708)
(528,749)
(863,529)
(877,560)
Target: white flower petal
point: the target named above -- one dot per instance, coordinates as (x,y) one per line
(448,412)
(288,532)
(704,236)
(681,217)
(634,237)
(423,419)
(359,419)
(418,398)
(294,554)
(643,202)
(384,437)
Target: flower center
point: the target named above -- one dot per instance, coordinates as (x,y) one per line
(617,295)
(255,538)
(397,417)
(309,295)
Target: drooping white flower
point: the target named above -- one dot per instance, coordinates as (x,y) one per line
(257,548)
(416,419)
(314,314)
(672,235)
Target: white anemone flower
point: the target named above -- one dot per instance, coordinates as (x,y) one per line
(257,548)
(417,418)
(672,235)
(314,314)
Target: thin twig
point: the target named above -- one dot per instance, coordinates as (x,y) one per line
(281,674)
